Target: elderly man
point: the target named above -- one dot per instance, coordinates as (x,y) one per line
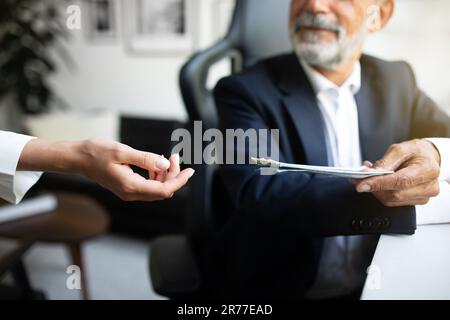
(297,235)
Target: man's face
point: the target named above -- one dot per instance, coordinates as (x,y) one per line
(327,33)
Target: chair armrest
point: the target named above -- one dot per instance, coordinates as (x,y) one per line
(173,269)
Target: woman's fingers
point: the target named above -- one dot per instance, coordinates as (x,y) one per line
(145,160)
(174,169)
(161,176)
(156,190)
(173,185)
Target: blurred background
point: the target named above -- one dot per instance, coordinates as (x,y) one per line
(109,68)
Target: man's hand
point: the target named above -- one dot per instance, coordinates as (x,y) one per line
(108,164)
(417,166)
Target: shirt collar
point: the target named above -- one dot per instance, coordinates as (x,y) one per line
(322,84)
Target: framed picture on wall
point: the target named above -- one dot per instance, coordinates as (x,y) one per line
(159,26)
(101,19)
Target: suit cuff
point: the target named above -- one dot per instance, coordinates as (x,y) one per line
(14,184)
(443,146)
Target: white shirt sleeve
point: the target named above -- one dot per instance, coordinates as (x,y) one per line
(437,210)
(443,146)
(14,184)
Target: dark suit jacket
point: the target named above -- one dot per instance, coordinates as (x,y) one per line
(269,246)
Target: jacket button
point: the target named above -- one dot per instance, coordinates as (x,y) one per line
(363,224)
(355,224)
(377,223)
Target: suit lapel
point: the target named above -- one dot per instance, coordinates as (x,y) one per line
(301,104)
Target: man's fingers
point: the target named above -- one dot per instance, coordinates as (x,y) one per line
(384,183)
(412,196)
(144,160)
(394,157)
(426,190)
(413,202)
(402,179)
(368,164)
(375,184)
(390,199)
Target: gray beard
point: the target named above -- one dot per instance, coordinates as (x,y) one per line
(326,54)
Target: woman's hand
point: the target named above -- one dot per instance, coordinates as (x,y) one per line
(108,164)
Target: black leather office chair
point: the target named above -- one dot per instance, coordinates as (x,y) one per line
(259,29)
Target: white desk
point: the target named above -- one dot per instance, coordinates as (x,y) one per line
(412,267)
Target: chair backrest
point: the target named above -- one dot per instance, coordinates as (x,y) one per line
(259,29)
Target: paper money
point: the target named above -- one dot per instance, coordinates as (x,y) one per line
(350,173)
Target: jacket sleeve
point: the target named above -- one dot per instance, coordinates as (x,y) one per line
(428,120)
(311,205)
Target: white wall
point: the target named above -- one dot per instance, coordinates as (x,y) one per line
(109,76)
(419,33)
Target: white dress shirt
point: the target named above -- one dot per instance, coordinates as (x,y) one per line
(14,184)
(341,265)
(340,116)
(338,264)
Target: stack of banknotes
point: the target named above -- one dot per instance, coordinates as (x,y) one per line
(350,173)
